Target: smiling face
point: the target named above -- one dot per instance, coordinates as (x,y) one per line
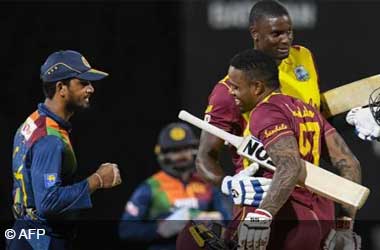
(273,36)
(243,89)
(78,94)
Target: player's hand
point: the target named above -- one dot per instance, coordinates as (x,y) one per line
(109,175)
(174,223)
(246,189)
(254,231)
(365,125)
(343,237)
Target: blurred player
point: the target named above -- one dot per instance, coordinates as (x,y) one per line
(271,29)
(45,194)
(161,206)
(367,120)
(290,130)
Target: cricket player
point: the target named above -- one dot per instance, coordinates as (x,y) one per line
(290,217)
(271,29)
(44,164)
(161,206)
(367,120)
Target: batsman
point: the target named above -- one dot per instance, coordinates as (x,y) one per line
(290,130)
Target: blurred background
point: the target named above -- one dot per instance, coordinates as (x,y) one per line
(163,57)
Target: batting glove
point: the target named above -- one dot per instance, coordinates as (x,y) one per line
(343,237)
(365,125)
(254,231)
(246,189)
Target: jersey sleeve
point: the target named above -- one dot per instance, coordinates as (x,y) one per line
(269,123)
(134,224)
(138,205)
(327,127)
(51,197)
(219,203)
(222,111)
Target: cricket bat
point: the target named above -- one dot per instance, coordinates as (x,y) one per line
(314,178)
(349,96)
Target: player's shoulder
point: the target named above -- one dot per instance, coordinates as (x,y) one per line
(273,102)
(283,101)
(142,190)
(221,94)
(287,105)
(299,50)
(222,87)
(275,99)
(160,177)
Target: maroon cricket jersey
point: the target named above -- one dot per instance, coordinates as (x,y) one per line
(223,113)
(279,115)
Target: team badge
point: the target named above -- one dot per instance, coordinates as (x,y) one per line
(50,179)
(301,73)
(177,134)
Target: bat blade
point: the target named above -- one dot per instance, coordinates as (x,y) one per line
(344,98)
(314,178)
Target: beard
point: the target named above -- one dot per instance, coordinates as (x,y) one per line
(76,105)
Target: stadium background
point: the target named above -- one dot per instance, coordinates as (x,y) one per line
(162,57)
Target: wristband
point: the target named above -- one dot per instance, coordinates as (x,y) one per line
(100,179)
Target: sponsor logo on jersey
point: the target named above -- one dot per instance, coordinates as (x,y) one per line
(186,202)
(301,73)
(28,128)
(276,129)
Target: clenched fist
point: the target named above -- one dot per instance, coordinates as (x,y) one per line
(107,176)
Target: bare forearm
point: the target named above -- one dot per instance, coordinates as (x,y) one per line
(207,159)
(351,171)
(347,165)
(209,169)
(285,156)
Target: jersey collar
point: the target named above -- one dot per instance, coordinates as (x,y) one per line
(43,110)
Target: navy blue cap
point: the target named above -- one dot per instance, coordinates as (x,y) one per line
(174,136)
(66,64)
